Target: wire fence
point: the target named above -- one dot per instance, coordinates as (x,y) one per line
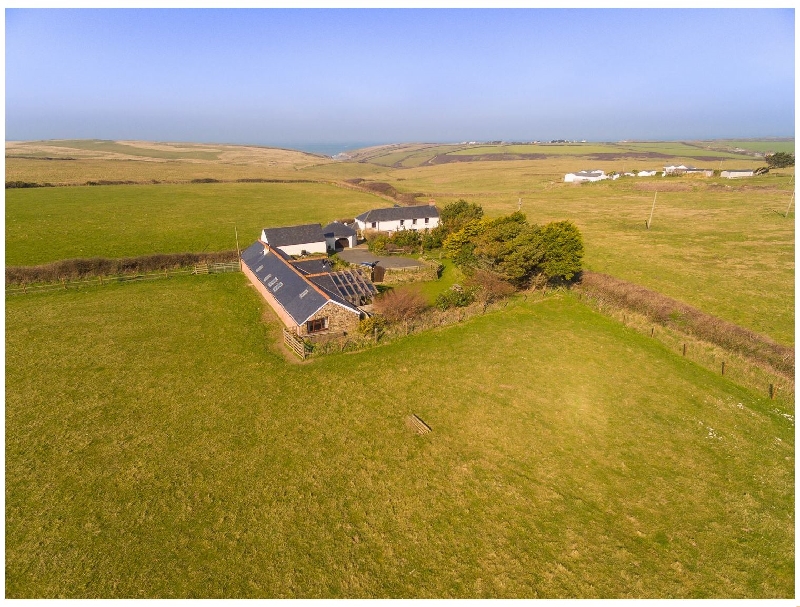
(198,269)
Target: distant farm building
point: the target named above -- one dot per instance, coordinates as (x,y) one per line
(339,236)
(682,169)
(310,299)
(736,173)
(645,173)
(296,240)
(580,176)
(393,219)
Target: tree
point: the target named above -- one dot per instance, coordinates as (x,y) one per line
(562,249)
(455,215)
(780,160)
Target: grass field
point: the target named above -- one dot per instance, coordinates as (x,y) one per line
(47,224)
(720,245)
(757,146)
(159,445)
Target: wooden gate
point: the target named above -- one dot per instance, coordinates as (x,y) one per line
(295,344)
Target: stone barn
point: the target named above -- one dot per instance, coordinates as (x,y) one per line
(310,299)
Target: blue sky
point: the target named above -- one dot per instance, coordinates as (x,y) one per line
(306,76)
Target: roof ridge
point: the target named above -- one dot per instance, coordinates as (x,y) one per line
(296,271)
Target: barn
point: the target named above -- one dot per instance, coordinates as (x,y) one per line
(310,299)
(296,240)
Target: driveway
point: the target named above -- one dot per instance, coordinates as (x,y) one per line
(360,255)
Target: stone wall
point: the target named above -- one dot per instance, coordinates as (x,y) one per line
(341,321)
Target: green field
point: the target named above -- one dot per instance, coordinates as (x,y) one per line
(758,146)
(720,245)
(47,224)
(158,444)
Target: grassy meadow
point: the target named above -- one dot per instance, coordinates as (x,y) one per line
(47,224)
(720,245)
(160,441)
(159,444)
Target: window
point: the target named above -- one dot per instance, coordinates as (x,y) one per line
(374,224)
(413,222)
(318,324)
(402,222)
(427,220)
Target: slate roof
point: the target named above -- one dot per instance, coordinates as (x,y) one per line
(395,213)
(292,235)
(589,174)
(294,293)
(338,230)
(313,266)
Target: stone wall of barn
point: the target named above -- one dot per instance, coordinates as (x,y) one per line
(341,321)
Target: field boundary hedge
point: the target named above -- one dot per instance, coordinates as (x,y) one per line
(83,268)
(679,316)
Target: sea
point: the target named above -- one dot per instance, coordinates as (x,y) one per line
(326,149)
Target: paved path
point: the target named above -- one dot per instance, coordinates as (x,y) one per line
(359,255)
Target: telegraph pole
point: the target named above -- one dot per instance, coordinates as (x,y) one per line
(649,221)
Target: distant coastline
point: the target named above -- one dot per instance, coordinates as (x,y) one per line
(326,149)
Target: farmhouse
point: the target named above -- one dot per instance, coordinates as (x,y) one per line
(646,173)
(580,176)
(310,299)
(339,236)
(296,240)
(420,217)
(735,173)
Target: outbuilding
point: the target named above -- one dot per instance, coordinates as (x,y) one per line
(736,173)
(580,176)
(339,236)
(296,240)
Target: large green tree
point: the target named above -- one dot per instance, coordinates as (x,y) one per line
(780,160)
(562,250)
(515,250)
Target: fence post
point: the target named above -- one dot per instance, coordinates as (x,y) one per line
(723,367)
(684,349)
(771,392)
(652,330)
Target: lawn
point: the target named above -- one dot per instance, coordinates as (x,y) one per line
(47,224)
(158,444)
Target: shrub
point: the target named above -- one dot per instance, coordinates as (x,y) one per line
(376,243)
(489,286)
(455,297)
(406,239)
(400,305)
(372,326)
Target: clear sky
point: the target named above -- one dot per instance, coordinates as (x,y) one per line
(275,77)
